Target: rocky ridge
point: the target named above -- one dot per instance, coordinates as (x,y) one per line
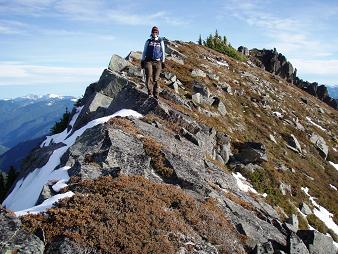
(215,117)
(276,63)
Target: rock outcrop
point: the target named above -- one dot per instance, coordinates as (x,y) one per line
(14,238)
(276,63)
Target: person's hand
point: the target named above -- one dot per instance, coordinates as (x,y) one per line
(163,65)
(142,64)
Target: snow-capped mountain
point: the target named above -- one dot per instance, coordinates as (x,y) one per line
(28,117)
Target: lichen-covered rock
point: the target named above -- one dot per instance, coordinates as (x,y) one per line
(250,152)
(320,144)
(117,63)
(296,245)
(293,143)
(15,239)
(316,242)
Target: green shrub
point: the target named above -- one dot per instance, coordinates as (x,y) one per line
(315,222)
(61,124)
(221,45)
(333,235)
(303,225)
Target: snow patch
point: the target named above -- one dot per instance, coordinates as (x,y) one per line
(278,114)
(334,165)
(222,63)
(272,138)
(48,203)
(242,183)
(54,96)
(313,123)
(59,137)
(323,214)
(27,190)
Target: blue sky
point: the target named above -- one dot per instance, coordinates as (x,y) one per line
(61,46)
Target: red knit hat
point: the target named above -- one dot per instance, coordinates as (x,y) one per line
(155,29)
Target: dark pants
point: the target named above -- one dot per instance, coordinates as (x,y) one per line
(153,70)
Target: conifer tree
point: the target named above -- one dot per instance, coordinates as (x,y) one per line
(200,40)
(221,44)
(62,123)
(2,187)
(11,176)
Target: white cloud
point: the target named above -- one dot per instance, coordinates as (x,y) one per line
(99,11)
(317,67)
(12,27)
(13,73)
(292,35)
(295,33)
(26,7)
(102,11)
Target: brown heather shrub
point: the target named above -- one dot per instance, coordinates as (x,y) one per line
(124,124)
(134,215)
(217,163)
(170,125)
(239,201)
(153,149)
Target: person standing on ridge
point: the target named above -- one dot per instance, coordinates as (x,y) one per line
(152,61)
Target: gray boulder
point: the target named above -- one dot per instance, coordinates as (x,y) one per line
(293,221)
(213,76)
(196,98)
(198,87)
(293,143)
(134,71)
(174,53)
(167,94)
(226,88)
(304,208)
(134,56)
(117,63)
(285,188)
(65,245)
(250,152)
(15,239)
(223,146)
(46,193)
(174,86)
(296,245)
(198,73)
(115,93)
(265,248)
(320,144)
(219,105)
(189,136)
(316,242)
(244,50)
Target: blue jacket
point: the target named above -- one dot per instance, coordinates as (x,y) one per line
(154,50)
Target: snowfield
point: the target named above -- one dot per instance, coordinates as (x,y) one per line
(26,192)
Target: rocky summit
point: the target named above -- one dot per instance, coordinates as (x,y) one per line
(232,158)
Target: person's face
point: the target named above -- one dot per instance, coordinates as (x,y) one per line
(154,34)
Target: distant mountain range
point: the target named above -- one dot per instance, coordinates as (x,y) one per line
(333,91)
(28,118)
